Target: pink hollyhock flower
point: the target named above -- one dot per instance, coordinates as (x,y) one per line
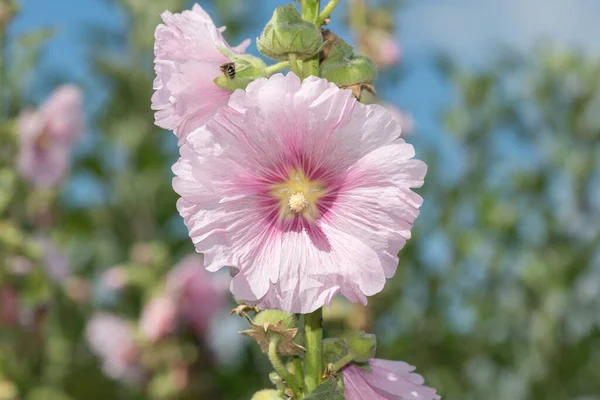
(187,60)
(302,190)
(112,340)
(159,318)
(386,380)
(48,135)
(199,295)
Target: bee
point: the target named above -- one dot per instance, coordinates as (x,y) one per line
(229,70)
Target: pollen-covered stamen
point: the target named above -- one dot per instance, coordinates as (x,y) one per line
(297,202)
(299,195)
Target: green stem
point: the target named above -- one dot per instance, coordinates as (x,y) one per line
(310,13)
(341,363)
(298,369)
(289,379)
(327,11)
(271,69)
(313,330)
(294,64)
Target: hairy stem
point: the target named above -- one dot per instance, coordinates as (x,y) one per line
(341,363)
(313,330)
(327,11)
(294,64)
(289,379)
(298,372)
(310,13)
(271,69)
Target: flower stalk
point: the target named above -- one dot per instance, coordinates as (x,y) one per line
(327,11)
(313,330)
(294,64)
(281,369)
(271,69)
(310,13)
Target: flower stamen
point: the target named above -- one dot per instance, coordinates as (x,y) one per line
(298,202)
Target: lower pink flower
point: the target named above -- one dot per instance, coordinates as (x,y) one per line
(385,380)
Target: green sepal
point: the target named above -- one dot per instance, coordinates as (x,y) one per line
(247,69)
(328,390)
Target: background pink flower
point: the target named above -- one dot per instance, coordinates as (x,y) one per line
(199,295)
(386,380)
(9,306)
(159,318)
(302,190)
(112,340)
(186,62)
(54,261)
(47,136)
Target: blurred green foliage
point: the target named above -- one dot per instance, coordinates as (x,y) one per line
(498,292)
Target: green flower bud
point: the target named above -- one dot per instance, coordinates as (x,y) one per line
(347,72)
(242,70)
(277,325)
(362,346)
(287,33)
(334,349)
(274,317)
(267,395)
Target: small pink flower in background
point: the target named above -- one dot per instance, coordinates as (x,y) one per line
(199,295)
(386,380)
(115,278)
(47,136)
(112,340)
(159,318)
(187,60)
(406,122)
(54,261)
(20,266)
(304,191)
(9,306)
(381,47)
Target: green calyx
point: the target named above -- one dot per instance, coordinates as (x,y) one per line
(345,69)
(242,70)
(362,346)
(276,317)
(287,33)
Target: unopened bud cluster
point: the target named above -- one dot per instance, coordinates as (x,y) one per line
(287,33)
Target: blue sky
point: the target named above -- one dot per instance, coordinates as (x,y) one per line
(470,30)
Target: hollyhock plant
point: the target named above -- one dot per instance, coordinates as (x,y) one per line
(385,380)
(112,340)
(198,295)
(303,191)
(187,60)
(47,136)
